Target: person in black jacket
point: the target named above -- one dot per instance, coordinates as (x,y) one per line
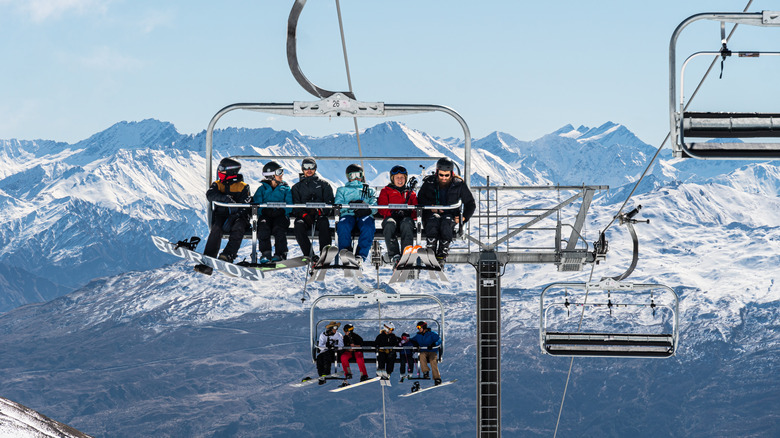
(385,356)
(228,188)
(352,339)
(444,188)
(311,188)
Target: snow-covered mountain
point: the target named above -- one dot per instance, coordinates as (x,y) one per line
(143,347)
(22,422)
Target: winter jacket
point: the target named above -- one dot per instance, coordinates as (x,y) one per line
(355,191)
(386,339)
(391,194)
(431,194)
(352,339)
(330,342)
(427,341)
(312,189)
(236,192)
(266,193)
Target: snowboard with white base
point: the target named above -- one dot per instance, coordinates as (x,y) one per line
(448,382)
(355,385)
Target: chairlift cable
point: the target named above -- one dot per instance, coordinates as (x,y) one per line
(668,134)
(571,363)
(349,79)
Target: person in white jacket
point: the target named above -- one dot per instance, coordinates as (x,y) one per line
(330,342)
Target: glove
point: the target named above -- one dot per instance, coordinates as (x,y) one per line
(308,218)
(226,199)
(398,215)
(279,212)
(361,212)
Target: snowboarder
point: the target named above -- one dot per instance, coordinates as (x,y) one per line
(356,191)
(397,221)
(385,357)
(407,355)
(444,188)
(352,339)
(228,188)
(273,221)
(428,341)
(311,188)
(330,342)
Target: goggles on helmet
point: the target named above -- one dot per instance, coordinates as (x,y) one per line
(278,171)
(354,175)
(309,166)
(398,169)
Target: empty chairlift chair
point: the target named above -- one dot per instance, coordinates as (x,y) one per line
(608,319)
(715,132)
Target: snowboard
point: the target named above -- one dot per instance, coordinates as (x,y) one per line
(346,385)
(409,394)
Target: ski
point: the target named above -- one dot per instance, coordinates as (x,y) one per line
(220,265)
(403,264)
(429,262)
(415,392)
(306,381)
(346,385)
(349,263)
(327,257)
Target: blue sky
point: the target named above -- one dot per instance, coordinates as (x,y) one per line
(74,67)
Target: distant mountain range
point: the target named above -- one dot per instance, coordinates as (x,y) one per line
(130,342)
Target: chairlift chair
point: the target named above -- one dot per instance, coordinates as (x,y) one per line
(621,297)
(378,297)
(721,125)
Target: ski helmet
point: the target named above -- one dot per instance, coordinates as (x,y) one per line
(348,327)
(228,169)
(272,168)
(398,169)
(389,326)
(445,164)
(422,324)
(355,172)
(308,163)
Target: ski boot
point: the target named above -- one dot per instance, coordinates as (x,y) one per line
(227,257)
(436,382)
(364,377)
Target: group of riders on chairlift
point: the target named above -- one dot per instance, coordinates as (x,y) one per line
(444,187)
(350,344)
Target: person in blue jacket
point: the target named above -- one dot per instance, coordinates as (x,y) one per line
(356,191)
(429,342)
(273,221)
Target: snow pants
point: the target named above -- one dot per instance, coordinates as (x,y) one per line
(385,361)
(272,226)
(427,357)
(406,231)
(303,230)
(237,226)
(324,360)
(407,361)
(365,225)
(439,232)
(358,355)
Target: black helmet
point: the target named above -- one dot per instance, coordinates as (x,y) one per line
(422,324)
(272,168)
(307,163)
(228,169)
(445,164)
(352,169)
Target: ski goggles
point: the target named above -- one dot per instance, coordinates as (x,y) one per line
(279,171)
(309,166)
(398,169)
(222,176)
(354,175)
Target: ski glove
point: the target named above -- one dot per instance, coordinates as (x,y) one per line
(399,215)
(361,212)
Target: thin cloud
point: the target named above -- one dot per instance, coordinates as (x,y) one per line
(42,10)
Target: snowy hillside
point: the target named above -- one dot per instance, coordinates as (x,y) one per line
(22,422)
(144,347)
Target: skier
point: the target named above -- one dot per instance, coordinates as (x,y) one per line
(444,188)
(385,357)
(428,341)
(397,221)
(352,339)
(311,188)
(228,188)
(273,221)
(356,191)
(407,355)
(328,345)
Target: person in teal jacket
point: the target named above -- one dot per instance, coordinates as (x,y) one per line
(273,221)
(356,191)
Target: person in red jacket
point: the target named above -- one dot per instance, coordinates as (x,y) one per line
(397,222)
